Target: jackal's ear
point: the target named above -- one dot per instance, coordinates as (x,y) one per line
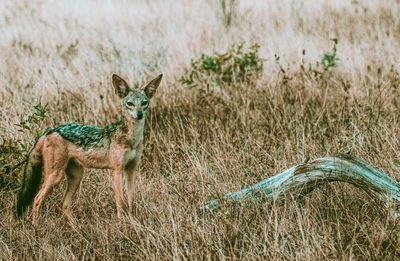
(151,87)
(120,85)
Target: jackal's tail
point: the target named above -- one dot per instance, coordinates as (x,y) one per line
(32,178)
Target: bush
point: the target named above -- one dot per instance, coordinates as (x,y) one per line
(235,65)
(12,151)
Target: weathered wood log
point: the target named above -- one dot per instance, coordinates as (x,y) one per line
(303,178)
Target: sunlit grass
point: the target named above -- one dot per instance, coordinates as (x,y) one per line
(199,142)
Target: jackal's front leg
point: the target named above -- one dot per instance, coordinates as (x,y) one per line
(130,178)
(116,183)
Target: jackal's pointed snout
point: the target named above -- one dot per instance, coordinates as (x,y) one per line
(140,115)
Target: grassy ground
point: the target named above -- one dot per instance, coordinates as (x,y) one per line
(201,143)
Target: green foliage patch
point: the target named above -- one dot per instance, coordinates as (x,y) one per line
(234,66)
(12,151)
(327,62)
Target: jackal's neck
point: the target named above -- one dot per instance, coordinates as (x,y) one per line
(131,130)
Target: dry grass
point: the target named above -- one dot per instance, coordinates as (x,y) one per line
(200,144)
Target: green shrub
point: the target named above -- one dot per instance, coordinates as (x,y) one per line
(235,65)
(12,151)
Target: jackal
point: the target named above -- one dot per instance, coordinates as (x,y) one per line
(71,147)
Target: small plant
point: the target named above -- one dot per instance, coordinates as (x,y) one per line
(236,65)
(327,62)
(35,118)
(13,150)
(286,77)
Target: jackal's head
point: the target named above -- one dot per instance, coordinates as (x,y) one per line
(135,101)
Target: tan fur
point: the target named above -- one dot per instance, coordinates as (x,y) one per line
(121,155)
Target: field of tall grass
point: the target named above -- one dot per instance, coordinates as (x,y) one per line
(250,89)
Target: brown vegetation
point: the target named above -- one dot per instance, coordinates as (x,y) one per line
(203,142)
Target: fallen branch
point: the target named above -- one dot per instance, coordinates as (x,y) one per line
(305,177)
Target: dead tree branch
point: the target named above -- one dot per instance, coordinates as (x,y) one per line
(303,178)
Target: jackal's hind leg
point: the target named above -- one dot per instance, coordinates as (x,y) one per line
(74,173)
(55,160)
(49,182)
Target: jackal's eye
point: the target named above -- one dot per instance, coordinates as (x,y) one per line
(145,103)
(129,103)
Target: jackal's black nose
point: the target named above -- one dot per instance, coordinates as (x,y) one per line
(140,115)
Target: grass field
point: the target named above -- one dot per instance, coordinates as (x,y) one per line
(205,140)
